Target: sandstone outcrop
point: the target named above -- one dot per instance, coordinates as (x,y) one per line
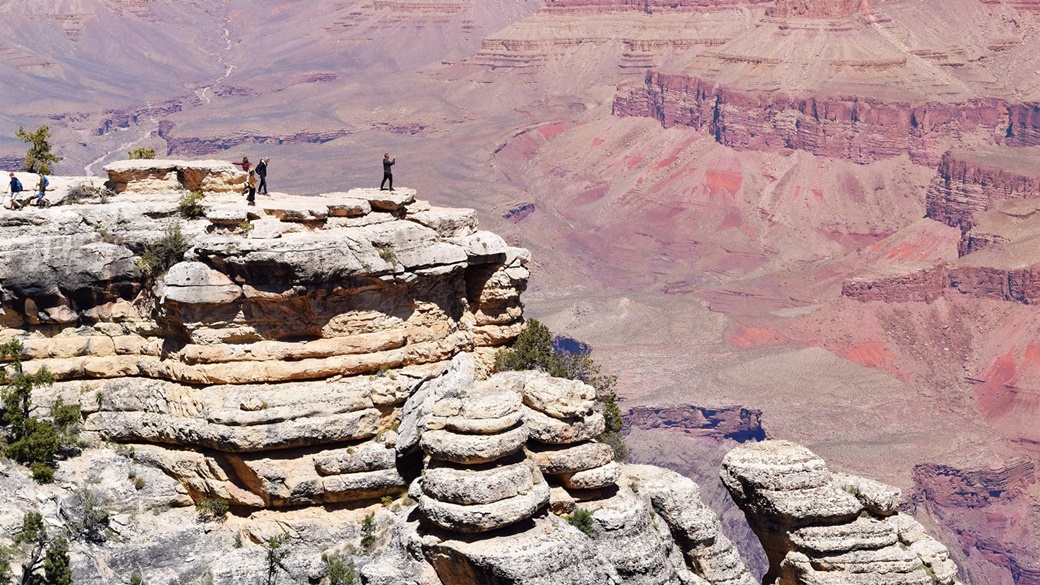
(820,527)
(270,365)
(208,176)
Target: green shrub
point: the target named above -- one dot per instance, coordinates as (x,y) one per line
(31,441)
(582,520)
(6,557)
(93,521)
(141,153)
(534,350)
(212,508)
(136,578)
(368,533)
(190,204)
(341,572)
(160,254)
(275,555)
(56,565)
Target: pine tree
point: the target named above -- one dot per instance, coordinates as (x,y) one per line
(39,157)
(57,568)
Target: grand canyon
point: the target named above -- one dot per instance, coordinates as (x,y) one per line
(796,220)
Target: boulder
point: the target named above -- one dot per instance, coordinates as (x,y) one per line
(194,283)
(557,397)
(478,485)
(554,431)
(469,519)
(571,458)
(471,449)
(592,479)
(447,222)
(388,201)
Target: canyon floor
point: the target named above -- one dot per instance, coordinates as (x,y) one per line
(698,184)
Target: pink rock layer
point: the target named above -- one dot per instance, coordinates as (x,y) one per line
(857,129)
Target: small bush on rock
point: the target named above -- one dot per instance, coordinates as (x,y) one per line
(28,440)
(212,508)
(159,255)
(368,533)
(84,191)
(190,204)
(341,572)
(93,518)
(57,566)
(275,555)
(141,153)
(536,349)
(582,520)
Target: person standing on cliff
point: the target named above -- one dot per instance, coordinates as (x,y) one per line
(388,174)
(261,171)
(16,189)
(251,188)
(245,164)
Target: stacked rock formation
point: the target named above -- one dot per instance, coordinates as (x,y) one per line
(651,529)
(564,424)
(268,366)
(477,479)
(821,527)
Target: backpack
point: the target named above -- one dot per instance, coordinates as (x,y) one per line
(16,185)
(46,182)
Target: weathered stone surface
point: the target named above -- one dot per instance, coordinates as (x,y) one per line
(592,479)
(468,519)
(144,176)
(571,458)
(368,456)
(549,552)
(695,527)
(471,449)
(391,201)
(479,485)
(458,375)
(554,431)
(819,528)
(345,205)
(558,398)
(194,283)
(485,409)
(447,222)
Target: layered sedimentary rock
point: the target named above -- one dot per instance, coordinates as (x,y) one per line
(650,527)
(208,176)
(860,129)
(969,182)
(821,527)
(269,365)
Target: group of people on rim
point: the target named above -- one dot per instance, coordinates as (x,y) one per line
(251,185)
(13,199)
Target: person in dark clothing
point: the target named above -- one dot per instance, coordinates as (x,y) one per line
(251,188)
(388,175)
(261,171)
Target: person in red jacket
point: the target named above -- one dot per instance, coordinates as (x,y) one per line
(245,164)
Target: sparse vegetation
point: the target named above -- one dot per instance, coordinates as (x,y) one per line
(92,523)
(386,252)
(536,349)
(190,204)
(141,153)
(275,555)
(340,571)
(31,538)
(212,508)
(136,578)
(582,520)
(39,157)
(368,533)
(6,557)
(57,567)
(84,191)
(387,501)
(30,441)
(160,254)
(245,225)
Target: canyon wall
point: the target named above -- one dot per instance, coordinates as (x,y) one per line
(856,129)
